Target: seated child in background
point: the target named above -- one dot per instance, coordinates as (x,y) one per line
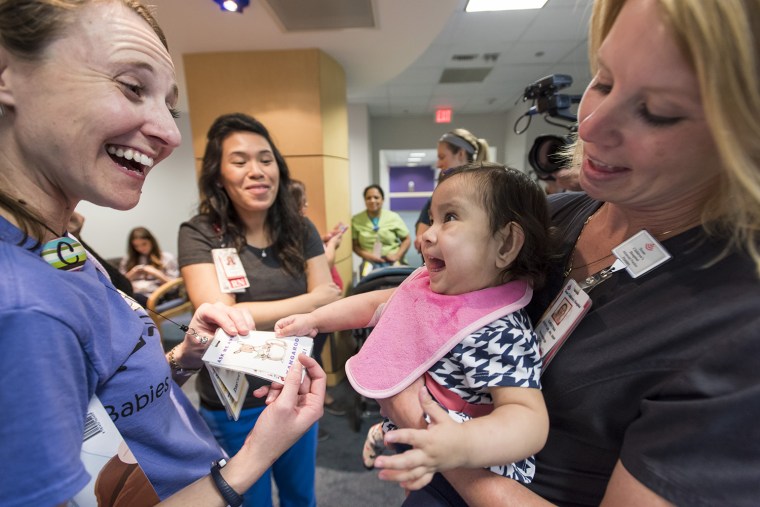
(145,265)
(459,321)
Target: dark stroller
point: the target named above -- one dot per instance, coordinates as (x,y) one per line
(381,278)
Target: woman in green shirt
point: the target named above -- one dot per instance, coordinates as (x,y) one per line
(380,237)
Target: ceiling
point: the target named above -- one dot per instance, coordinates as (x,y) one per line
(395,67)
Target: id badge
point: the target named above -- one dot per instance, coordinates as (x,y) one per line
(641,253)
(562,317)
(229,270)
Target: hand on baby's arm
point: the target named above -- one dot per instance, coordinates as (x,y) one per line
(301,324)
(441,446)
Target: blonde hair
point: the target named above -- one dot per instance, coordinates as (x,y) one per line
(479,151)
(717,37)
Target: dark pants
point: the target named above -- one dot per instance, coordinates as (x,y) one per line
(439,493)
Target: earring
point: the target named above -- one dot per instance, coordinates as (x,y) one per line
(2,110)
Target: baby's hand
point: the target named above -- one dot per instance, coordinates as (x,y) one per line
(441,446)
(302,324)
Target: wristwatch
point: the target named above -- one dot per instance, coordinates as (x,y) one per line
(230,495)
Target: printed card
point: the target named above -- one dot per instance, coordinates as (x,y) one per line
(261,354)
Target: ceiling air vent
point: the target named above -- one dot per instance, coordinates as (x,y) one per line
(476,75)
(300,15)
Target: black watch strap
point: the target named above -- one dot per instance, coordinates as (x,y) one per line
(230,495)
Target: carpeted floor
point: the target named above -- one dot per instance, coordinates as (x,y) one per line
(342,480)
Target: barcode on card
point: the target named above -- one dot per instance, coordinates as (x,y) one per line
(92,427)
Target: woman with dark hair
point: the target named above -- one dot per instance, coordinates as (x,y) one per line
(248,217)
(380,237)
(145,264)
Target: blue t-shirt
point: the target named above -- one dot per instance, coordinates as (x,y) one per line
(67,335)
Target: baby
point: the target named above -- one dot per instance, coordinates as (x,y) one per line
(459,322)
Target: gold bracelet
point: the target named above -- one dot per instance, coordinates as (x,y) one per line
(179,370)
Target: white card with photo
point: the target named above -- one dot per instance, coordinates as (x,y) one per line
(561,319)
(260,353)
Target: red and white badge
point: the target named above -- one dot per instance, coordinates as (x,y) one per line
(641,253)
(229,270)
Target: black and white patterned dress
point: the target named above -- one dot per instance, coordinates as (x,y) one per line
(505,354)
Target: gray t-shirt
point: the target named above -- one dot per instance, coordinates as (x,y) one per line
(269,281)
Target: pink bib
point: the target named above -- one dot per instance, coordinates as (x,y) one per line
(418,327)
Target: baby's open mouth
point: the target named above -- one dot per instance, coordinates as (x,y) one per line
(434,264)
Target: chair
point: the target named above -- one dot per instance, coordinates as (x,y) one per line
(169,305)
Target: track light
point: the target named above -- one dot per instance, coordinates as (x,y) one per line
(232,5)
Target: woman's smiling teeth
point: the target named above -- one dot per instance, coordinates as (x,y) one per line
(601,166)
(134,158)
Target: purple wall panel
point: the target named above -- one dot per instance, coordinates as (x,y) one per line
(407,203)
(422,176)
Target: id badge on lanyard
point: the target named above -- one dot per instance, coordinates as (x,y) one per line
(638,255)
(229,270)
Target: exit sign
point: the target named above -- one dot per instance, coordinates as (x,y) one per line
(443,115)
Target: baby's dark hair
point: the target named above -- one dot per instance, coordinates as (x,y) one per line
(509,195)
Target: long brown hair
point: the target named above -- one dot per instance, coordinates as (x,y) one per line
(133,256)
(284,222)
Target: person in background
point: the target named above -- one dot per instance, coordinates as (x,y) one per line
(331,242)
(80,82)
(380,237)
(455,148)
(248,216)
(654,398)
(146,265)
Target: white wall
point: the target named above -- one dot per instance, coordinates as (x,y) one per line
(359,161)
(359,155)
(169,197)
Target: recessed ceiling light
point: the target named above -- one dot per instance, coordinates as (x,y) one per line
(415,159)
(502,5)
(417,154)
